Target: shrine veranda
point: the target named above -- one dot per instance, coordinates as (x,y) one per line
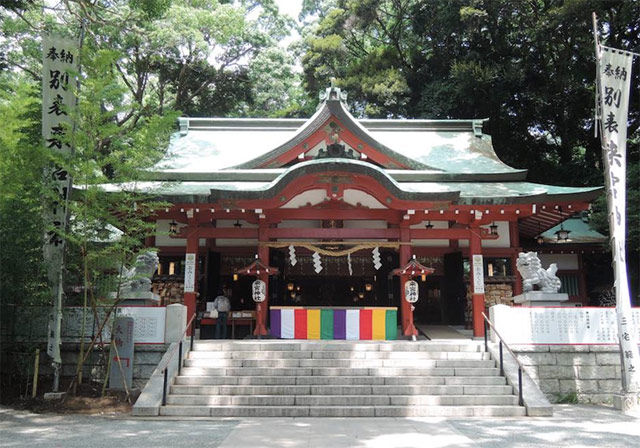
(334,205)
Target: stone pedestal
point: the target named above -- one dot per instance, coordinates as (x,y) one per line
(138,298)
(626,402)
(540,298)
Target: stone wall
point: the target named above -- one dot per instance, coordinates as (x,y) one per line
(494,294)
(145,360)
(498,294)
(589,373)
(170,289)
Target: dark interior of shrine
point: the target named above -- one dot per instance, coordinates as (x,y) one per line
(442,297)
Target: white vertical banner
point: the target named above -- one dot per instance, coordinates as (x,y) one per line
(59,86)
(190,273)
(614,78)
(477,264)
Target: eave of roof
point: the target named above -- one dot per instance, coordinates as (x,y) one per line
(270,174)
(265,183)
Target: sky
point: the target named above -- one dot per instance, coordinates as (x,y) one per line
(290,7)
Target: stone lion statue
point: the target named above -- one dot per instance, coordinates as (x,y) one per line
(530,268)
(138,277)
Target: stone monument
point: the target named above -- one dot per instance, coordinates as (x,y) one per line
(533,275)
(121,354)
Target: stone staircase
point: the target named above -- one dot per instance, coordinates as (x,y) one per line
(340,379)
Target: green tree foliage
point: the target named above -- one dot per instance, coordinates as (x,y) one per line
(192,56)
(21,161)
(526,65)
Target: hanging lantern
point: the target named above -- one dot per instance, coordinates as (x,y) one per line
(173,227)
(235,277)
(351,288)
(368,287)
(562,235)
(411,291)
(259,291)
(540,239)
(424,277)
(361,295)
(429,226)
(290,286)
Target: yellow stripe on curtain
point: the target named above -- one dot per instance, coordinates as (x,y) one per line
(379,324)
(313,324)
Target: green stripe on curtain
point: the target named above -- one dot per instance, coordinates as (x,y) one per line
(326,324)
(391,325)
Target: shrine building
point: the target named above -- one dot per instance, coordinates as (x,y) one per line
(335,213)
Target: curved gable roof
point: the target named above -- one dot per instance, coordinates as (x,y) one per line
(334,106)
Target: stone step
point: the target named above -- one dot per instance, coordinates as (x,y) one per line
(351,363)
(344,411)
(361,346)
(336,355)
(341,390)
(340,400)
(338,381)
(338,371)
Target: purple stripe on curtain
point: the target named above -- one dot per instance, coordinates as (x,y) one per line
(276,324)
(340,324)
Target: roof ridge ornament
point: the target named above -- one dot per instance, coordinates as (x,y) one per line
(333,93)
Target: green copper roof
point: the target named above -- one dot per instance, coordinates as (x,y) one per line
(447,160)
(209,145)
(579,232)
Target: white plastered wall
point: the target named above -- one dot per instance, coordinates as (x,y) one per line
(430,242)
(164,240)
(309,197)
(235,242)
(565,262)
(503,241)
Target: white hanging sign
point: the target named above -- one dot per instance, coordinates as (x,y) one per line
(190,273)
(259,291)
(59,67)
(411,291)
(292,255)
(317,262)
(614,77)
(376,258)
(478,274)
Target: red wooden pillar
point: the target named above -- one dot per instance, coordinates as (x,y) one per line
(192,248)
(263,308)
(477,300)
(406,314)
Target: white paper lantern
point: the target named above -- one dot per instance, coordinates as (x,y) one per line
(259,291)
(411,291)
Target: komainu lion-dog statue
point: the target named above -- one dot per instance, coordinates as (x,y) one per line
(530,268)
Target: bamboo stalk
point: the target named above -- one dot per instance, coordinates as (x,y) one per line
(36,369)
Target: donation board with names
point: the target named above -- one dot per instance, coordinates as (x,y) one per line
(559,325)
(148,329)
